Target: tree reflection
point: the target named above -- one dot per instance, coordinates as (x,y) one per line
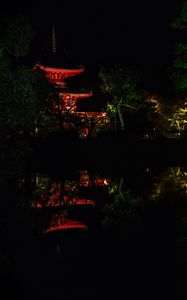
(121,213)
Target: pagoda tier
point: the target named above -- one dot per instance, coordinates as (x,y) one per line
(58,75)
(69,100)
(77,95)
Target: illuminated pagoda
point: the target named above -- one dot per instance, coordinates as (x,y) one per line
(58,72)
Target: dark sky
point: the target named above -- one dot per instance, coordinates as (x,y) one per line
(136,31)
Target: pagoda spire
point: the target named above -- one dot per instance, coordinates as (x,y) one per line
(54,44)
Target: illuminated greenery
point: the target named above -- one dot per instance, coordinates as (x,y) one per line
(173,180)
(170,119)
(121,85)
(112,109)
(156,115)
(178,120)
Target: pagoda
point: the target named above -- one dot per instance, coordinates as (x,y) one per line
(57,72)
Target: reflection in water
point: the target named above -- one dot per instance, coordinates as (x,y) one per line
(174,179)
(123,200)
(60,222)
(148,184)
(64,193)
(121,213)
(120,209)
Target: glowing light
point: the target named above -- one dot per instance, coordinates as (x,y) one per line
(178,119)
(70,224)
(155,103)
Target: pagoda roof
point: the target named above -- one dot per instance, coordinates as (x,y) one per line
(91,114)
(76,70)
(58,75)
(64,70)
(58,64)
(77,94)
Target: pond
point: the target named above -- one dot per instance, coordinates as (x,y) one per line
(98,232)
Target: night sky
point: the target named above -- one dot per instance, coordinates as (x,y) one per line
(135,32)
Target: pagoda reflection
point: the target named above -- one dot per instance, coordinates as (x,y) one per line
(67,192)
(60,222)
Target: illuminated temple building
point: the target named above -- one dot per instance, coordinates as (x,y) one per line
(58,70)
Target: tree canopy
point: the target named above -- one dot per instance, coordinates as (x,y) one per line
(16,34)
(20,97)
(121,83)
